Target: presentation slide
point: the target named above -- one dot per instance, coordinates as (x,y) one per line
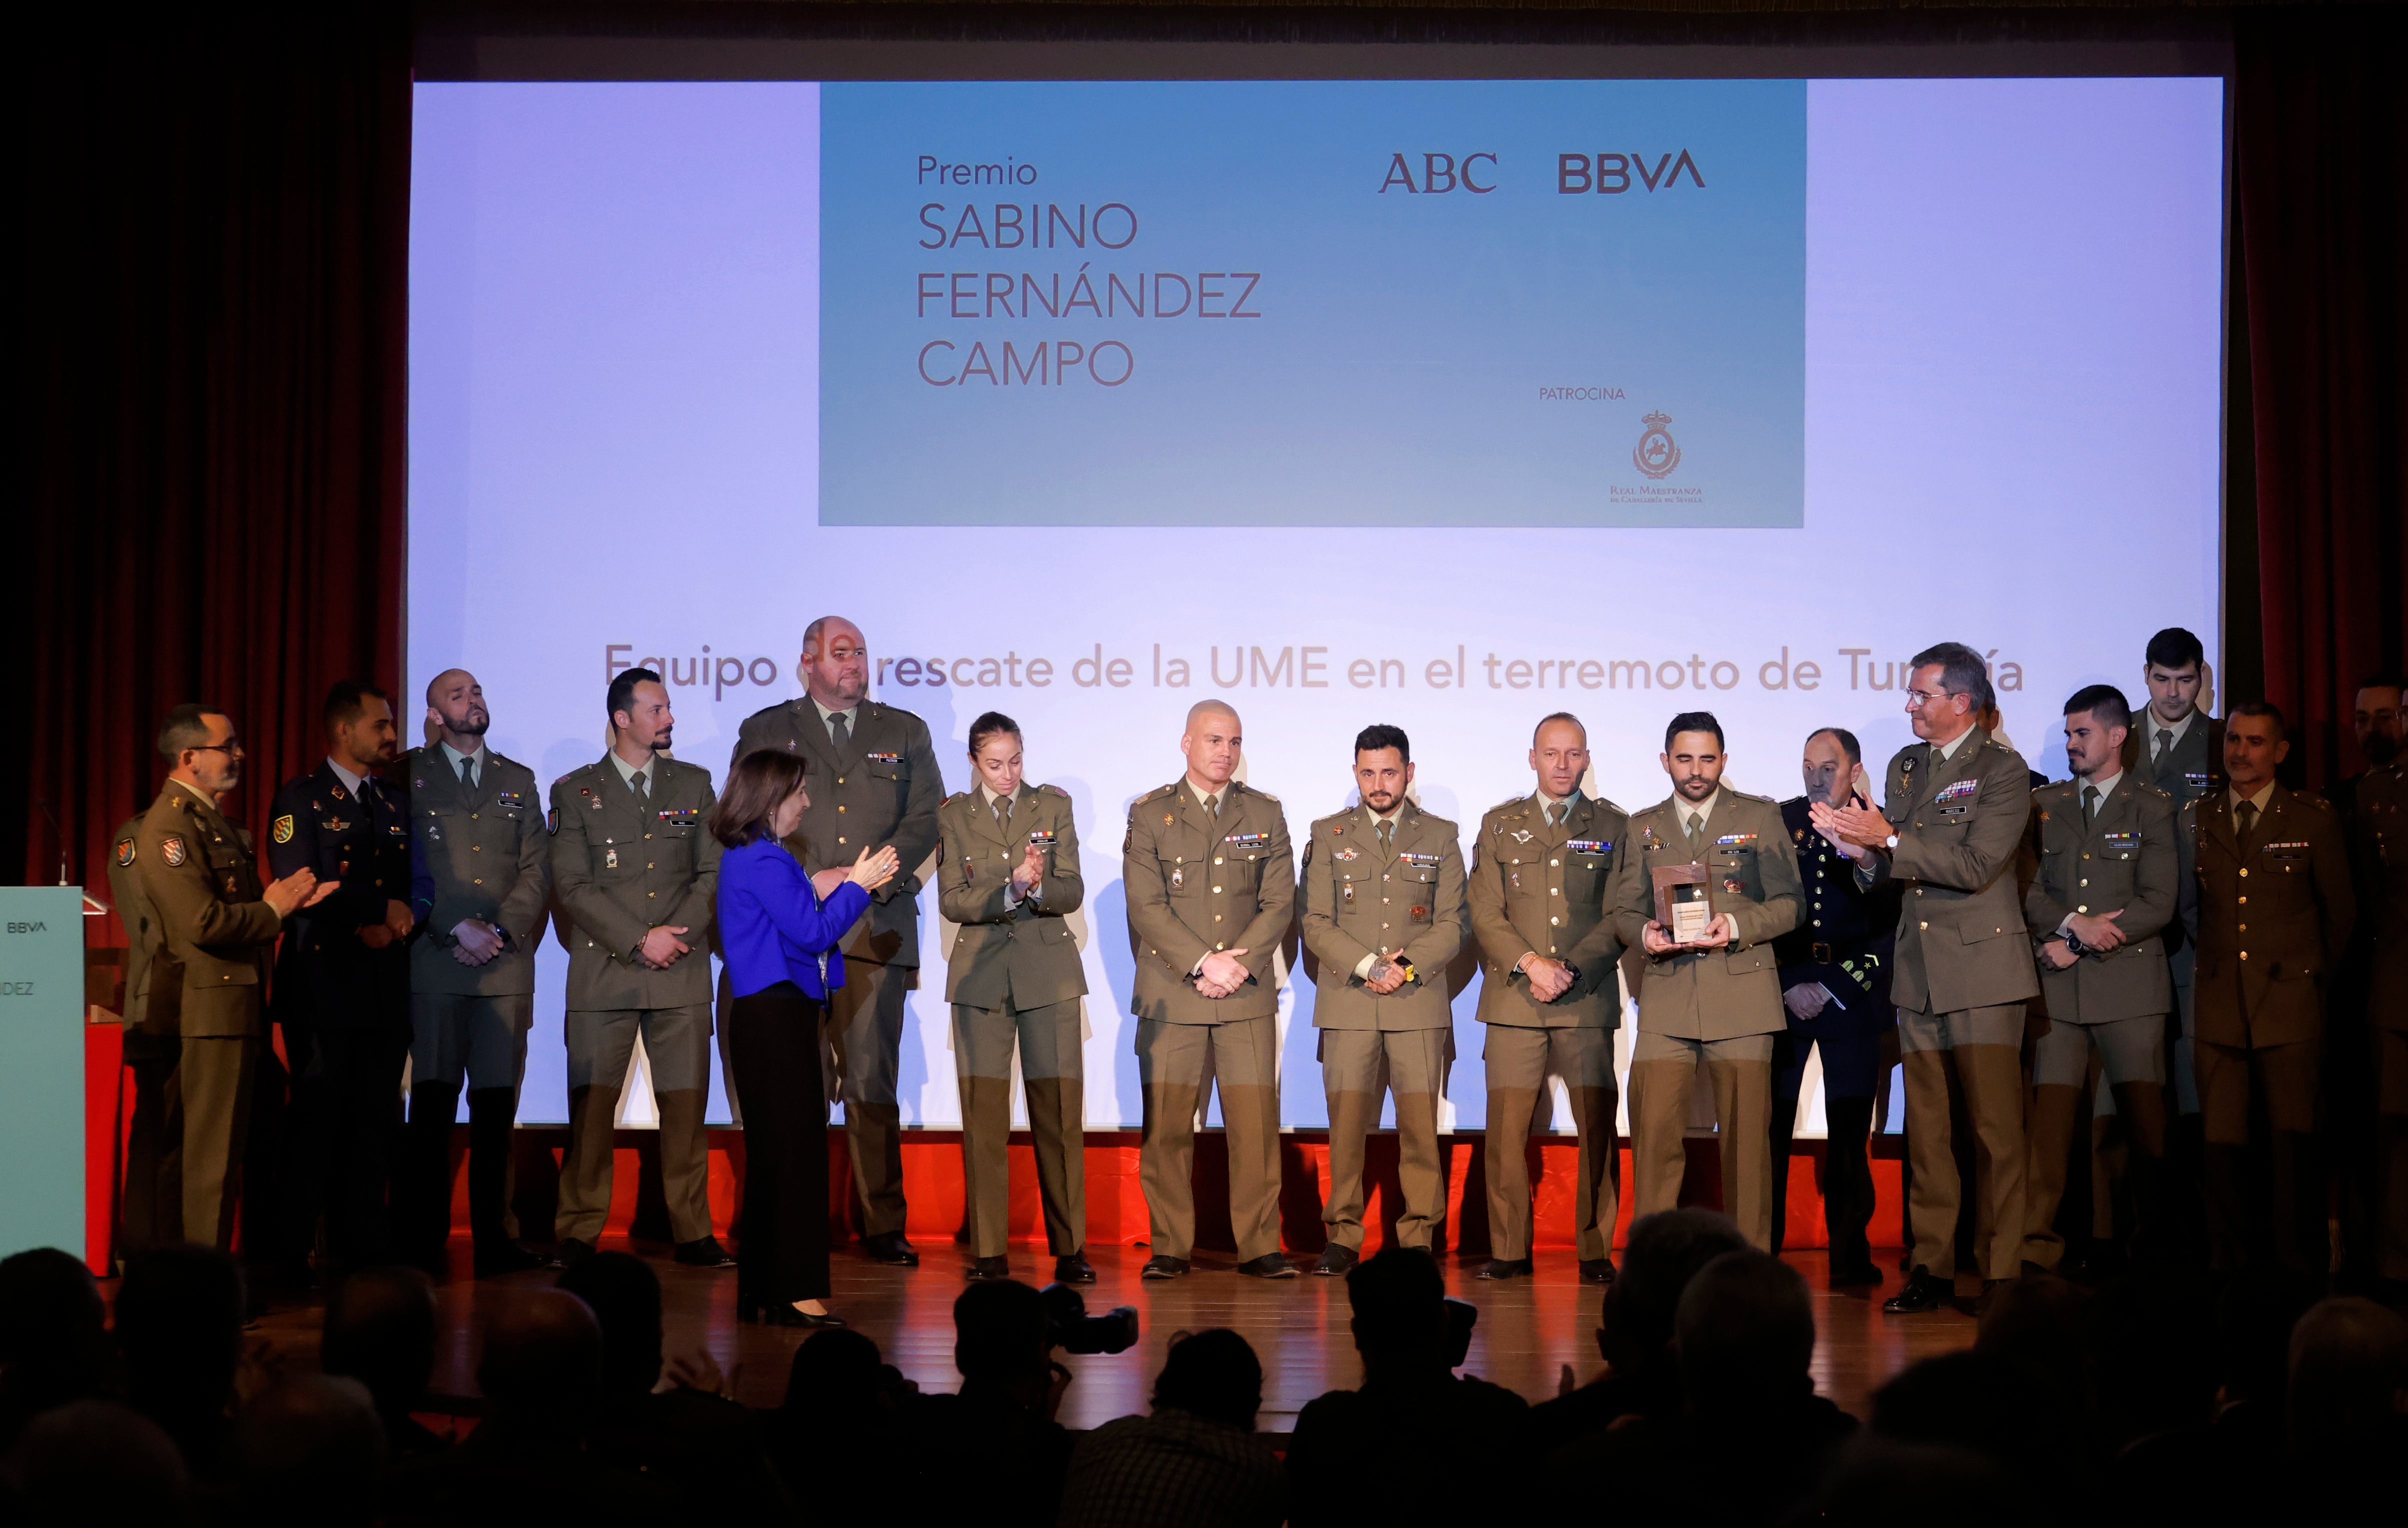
(1445,404)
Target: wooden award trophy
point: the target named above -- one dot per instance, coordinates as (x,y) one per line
(1683,901)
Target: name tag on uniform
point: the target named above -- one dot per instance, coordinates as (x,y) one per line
(2121,841)
(681,816)
(1961,790)
(2196,779)
(2278,848)
(883,758)
(1248,840)
(508,797)
(1590,846)
(1042,838)
(1736,841)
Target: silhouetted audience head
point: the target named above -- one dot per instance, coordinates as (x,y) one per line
(543,1358)
(1665,1251)
(308,1452)
(99,1464)
(2349,1376)
(1212,1374)
(1982,1402)
(179,1314)
(1746,1334)
(53,1337)
(1881,1483)
(380,1332)
(1399,1301)
(624,1295)
(835,1370)
(2038,1323)
(999,1331)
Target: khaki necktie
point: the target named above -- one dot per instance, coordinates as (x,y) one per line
(641,783)
(468,773)
(2165,745)
(1387,835)
(1212,804)
(1695,826)
(1003,812)
(842,729)
(2089,803)
(2244,820)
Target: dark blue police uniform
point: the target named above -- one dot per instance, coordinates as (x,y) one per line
(1843,942)
(345,1012)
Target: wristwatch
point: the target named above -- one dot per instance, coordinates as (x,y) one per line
(1890,843)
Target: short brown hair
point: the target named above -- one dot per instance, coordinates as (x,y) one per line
(756,788)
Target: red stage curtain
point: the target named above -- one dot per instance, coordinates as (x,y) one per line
(2320,142)
(216,238)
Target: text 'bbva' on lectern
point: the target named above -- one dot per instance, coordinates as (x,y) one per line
(41,1068)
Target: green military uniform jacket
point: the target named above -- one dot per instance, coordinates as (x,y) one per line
(1961,840)
(1024,952)
(622,865)
(1752,866)
(2380,823)
(1405,899)
(1196,883)
(1542,889)
(2127,859)
(883,786)
(490,859)
(215,929)
(141,922)
(2264,962)
(2194,767)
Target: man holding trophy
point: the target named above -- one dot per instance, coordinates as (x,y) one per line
(1708,880)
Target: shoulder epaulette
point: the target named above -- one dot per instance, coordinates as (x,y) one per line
(1612,805)
(1510,800)
(1241,785)
(1760,801)
(957,795)
(1055,790)
(2146,787)
(2312,799)
(1157,794)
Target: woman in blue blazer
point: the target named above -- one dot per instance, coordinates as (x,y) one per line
(778,929)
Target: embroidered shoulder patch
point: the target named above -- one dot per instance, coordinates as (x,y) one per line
(171,850)
(283,828)
(125,852)
(551,821)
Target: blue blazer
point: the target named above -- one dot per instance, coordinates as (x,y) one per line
(772,926)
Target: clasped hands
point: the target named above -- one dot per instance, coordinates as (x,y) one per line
(398,921)
(1548,980)
(2098,933)
(1221,972)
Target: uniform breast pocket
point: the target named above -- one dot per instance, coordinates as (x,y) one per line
(1735,872)
(1408,873)
(895,771)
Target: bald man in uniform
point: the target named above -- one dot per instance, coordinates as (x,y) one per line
(874,781)
(1541,867)
(1212,889)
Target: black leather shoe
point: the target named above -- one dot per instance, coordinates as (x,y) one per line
(502,1257)
(1922,1294)
(890,1249)
(1596,1270)
(704,1253)
(983,1269)
(1074,1268)
(1335,1262)
(1270,1265)
(1863,1275)
(1164,1268)
(571,1252)
(1505,1268)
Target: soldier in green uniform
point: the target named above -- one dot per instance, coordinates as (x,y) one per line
(480,871)
(1716,1002)
(637,875)
(1955,809)
(1385,910)
(1541,868)
(1211,891)
(216,927)
(2176,746)
(2107,885)
(151,1211)
(874,781)
(1008,874)
(2265,895)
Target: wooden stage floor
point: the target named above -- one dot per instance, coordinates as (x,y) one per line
(1528,1329)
